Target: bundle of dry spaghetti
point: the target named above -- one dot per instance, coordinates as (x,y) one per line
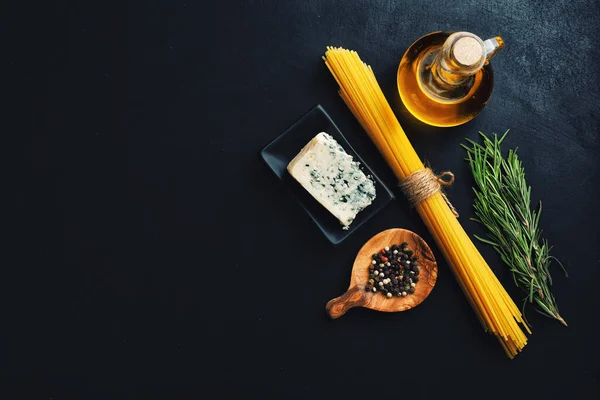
(361,92)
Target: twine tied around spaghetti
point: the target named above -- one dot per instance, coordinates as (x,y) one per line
(424,183)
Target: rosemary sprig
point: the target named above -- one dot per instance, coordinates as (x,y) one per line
(502,205)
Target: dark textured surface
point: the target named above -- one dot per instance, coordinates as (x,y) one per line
(150,245)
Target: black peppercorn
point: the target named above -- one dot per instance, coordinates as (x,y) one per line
(415,279)
(392,271)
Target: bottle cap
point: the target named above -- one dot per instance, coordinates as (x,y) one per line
(468,51)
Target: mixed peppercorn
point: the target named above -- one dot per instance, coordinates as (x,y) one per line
(394,271)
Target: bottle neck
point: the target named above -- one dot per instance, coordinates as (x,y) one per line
(448,73)
(461,57)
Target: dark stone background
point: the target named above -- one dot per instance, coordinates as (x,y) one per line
(149,245)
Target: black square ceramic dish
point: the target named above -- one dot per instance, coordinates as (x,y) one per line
(284,148)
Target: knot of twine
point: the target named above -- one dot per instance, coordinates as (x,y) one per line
(424,183)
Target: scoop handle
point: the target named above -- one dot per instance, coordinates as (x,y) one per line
(337,307)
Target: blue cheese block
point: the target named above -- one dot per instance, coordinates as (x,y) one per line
(330,175)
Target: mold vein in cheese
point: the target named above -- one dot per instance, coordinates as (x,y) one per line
(331,176)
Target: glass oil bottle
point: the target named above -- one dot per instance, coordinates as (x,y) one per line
(445,78)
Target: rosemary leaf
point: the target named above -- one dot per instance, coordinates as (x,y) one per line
(502,205)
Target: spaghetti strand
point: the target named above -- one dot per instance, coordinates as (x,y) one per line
(494,308)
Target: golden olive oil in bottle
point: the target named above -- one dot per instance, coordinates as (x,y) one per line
(445,78)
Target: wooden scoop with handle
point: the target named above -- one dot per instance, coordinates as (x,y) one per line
(357,296)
